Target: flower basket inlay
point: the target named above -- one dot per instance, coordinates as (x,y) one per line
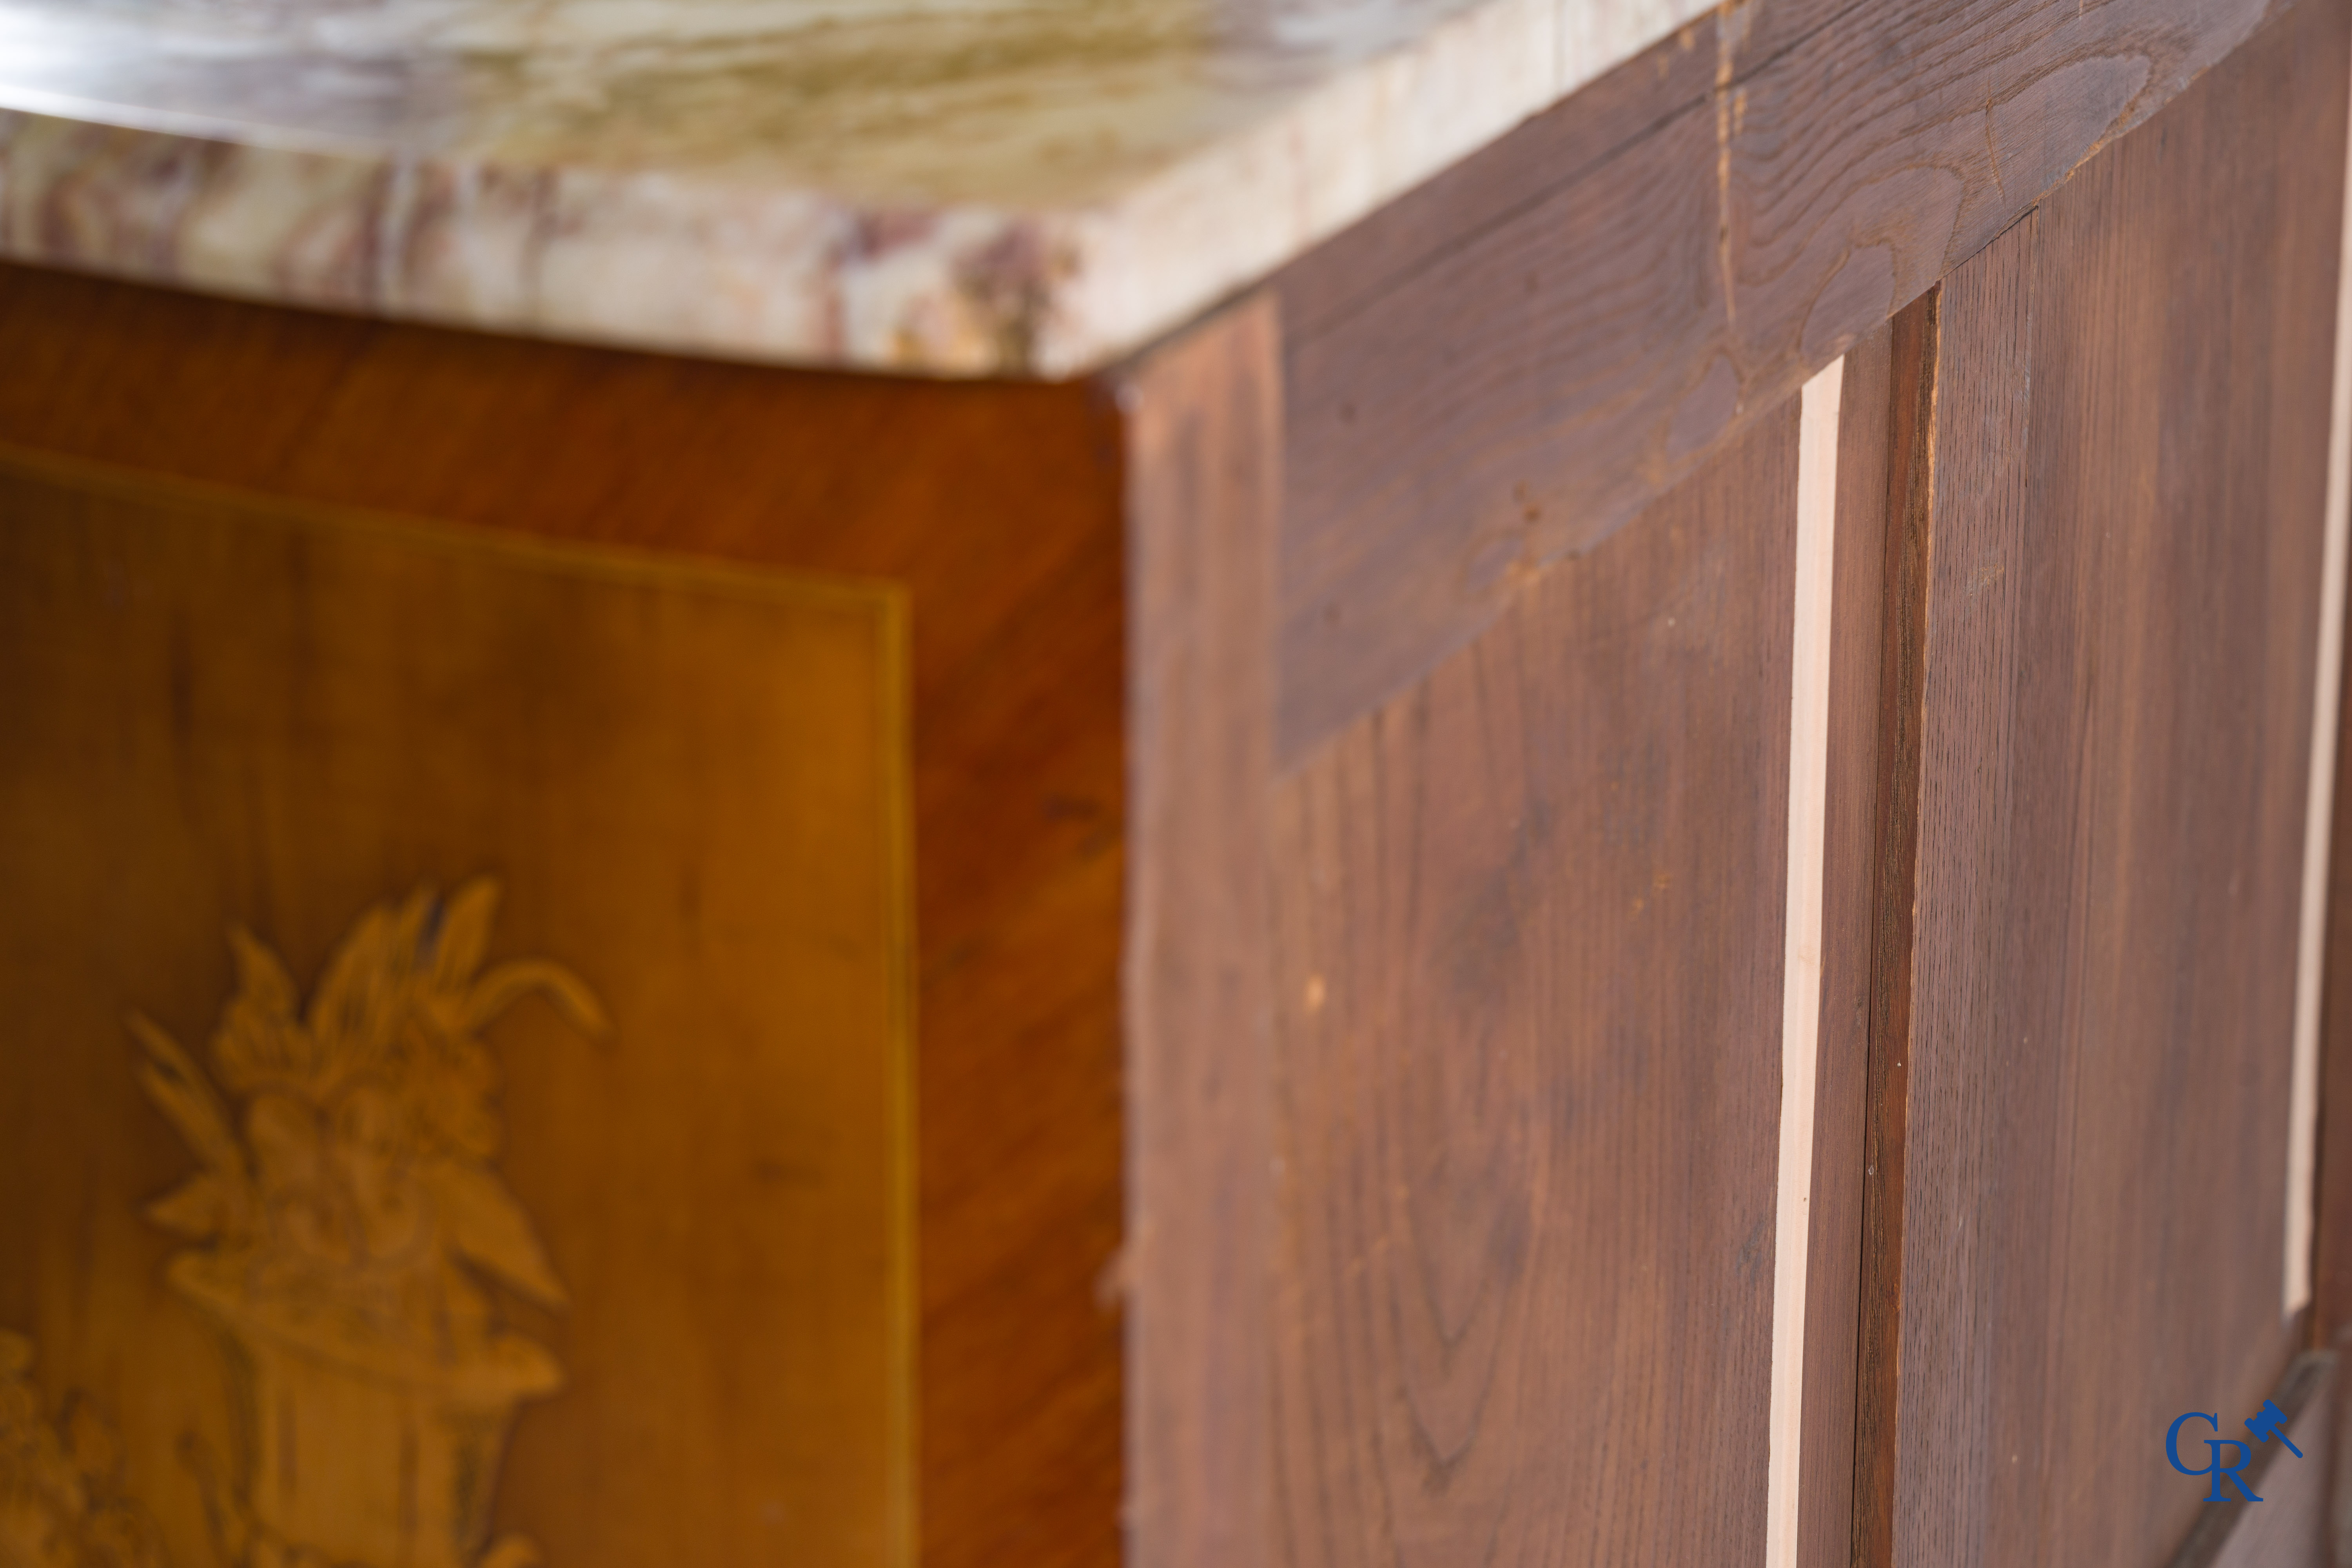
(353,1237)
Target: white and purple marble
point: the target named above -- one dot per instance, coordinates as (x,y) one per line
(944,186)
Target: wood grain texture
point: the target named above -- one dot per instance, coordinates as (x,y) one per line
(999,510)
(1528,924)
(1379,255)
(1896,737)
(1598,315)
(2289,1529)
(2130,454)
(1848,838)
(1204,486)
(661,1229)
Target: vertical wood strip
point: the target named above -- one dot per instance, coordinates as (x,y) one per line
(1801,998)
(1833,1268)
(1965,912)
(2302,1127)
(2331,1200)
(1203,487)
(1886,1095)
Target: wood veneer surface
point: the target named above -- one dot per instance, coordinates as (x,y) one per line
(1896,737)
(1528,934)
(999,508)
(2129,453)
(1205,481)
(1849,863)
(665,1223)
(1511,362)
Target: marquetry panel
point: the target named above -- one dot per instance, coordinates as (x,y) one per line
(455,1102)
(999,513)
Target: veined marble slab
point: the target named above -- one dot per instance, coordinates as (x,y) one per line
(945,187)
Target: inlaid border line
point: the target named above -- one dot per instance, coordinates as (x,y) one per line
(1800,994)
(2320,798)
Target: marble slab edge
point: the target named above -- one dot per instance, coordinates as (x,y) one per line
(697,264)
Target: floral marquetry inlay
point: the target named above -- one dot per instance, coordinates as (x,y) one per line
(61,1502)
(352,1228)
(339,1228)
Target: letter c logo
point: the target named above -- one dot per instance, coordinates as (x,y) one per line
(2172,1440)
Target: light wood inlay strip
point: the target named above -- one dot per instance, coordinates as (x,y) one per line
(1800,1001)
(2302,1127)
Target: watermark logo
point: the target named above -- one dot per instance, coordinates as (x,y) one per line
(2270,1425)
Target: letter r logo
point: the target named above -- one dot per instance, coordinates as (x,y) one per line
(2237,1479)
(2233,1472)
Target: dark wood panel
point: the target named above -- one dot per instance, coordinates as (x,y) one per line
(999,507)
(1329,287)
(1894,810)
(1529,922)
(1849,896)
(1204,486)
(2129,453)
(1461,417)
(1719,52)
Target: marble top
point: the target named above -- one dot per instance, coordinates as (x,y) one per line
(944,186)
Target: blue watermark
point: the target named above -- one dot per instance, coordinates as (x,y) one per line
(2271,1424)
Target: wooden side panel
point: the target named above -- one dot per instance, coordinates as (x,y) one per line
(998,509)
(1529,927)
(1512,361)
(1205,483)
(2129,456)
